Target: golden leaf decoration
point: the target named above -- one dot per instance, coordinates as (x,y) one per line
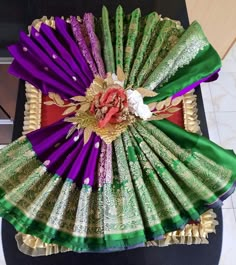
(167,102)
(87,133)
(152,105)
(146,92)
(120,74)
(69,110)
(96,87)
(51,95)
(108,133)
(159,117)
(49,103)
(109,80)
(58,100)
(99,81)
(71,131)
(176,101)
(79,98)
(174,109)
(73,120)
(160,105)
(84,107)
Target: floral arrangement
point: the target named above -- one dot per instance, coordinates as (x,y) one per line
(108,107)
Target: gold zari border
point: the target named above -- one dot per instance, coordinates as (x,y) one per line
(192,234)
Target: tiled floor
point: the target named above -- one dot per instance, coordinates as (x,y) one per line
(220,106)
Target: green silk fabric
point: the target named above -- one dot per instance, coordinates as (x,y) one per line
(204,64)
(199,144)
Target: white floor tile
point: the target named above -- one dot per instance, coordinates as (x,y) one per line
(228,204)
(206,95)
(229,62)
(223,92)
(229,238)
(234,199)
(212,127)
(227,129)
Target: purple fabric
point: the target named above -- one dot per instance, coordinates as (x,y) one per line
(17,70)
(51,61)
(27,59)
(88,20)
(77,31)
(69,158)
(57,72)
(53,45)
(209,78)
(64,30)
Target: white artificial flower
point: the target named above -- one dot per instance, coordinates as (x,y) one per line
(144,112)
(137,106)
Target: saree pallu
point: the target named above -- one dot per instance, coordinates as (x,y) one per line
(153,178)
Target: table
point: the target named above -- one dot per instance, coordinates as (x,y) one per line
(172,255)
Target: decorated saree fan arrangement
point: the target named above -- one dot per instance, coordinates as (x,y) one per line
(113,173)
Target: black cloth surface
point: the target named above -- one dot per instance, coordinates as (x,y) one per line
(172,255)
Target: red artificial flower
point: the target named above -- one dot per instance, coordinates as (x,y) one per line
(110,106)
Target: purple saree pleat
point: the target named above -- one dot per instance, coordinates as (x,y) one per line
(49,61)
(26,59)
(77,31)
(81,162)
(17,70)
(60,68)
(51,50)
(83,67)
(68,158)
(88,20)
(90,171)
(64,167)
(61,50)
(49,137)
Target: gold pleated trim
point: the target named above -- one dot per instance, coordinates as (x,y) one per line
(191,122)
(48,21)
(191,234)
(32,113)
(33,246)
(37,22)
